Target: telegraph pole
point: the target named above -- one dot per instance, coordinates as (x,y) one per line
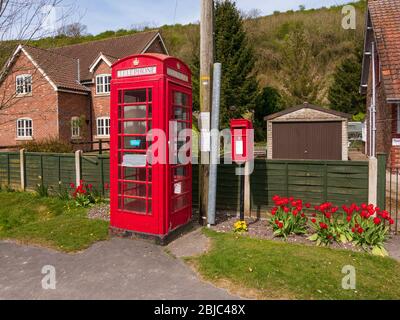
(206,66)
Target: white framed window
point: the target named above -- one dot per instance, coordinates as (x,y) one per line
(24,128)
(103,127)
(23,84)
(398,119)
(75,127)
(103,84)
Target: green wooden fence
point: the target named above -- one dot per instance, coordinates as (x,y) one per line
(10,169)
(340,182)
(228,193)
(56,171)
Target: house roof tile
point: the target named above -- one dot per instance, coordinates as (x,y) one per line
(385,18)
(62,70)
(114,49)
(61,64)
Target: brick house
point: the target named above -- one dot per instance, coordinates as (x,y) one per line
(381,79)
(64,92)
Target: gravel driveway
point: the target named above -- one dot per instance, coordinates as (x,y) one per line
(116,269)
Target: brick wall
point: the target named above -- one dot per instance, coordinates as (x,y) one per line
(74,105)
(40,105)
(386,125)
(100,103)
(394,151)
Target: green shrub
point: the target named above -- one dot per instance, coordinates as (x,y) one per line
(53,145)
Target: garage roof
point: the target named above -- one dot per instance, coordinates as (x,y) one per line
(307,106)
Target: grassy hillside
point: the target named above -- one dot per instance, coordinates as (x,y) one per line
(330,42)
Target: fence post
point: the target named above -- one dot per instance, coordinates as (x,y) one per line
(8,170)
(22,168)
(373,181)
(381,184)
(78,167)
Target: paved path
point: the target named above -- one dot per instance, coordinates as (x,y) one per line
(116,269)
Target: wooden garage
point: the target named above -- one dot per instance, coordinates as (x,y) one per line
(307,132)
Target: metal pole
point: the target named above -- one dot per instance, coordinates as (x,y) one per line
(212,190)
(206,63)
(373,108)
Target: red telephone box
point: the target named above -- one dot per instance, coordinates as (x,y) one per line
(148,91)
(242,147)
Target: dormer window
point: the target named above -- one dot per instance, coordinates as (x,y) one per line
(103,84)
(24,84)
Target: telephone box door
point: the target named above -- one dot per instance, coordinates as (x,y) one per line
(136,176)
(180,172)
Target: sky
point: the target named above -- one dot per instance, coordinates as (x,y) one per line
(102,15)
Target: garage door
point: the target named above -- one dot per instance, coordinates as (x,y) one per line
(307,140)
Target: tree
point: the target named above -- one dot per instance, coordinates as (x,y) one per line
(239,87)
(73,30)
(299,75)
(22,22)
(344,94)
(269,101)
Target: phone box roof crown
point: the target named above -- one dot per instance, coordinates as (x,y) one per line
(151,65)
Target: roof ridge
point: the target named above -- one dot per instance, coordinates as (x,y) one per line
(106,39)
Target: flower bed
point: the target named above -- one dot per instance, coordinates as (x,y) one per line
(365,226)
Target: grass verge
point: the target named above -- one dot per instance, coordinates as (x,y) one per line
(273,270)
(49,222)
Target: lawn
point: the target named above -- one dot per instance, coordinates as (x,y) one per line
(49,222)
(274,270)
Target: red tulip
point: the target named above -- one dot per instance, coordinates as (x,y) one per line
(328,215)
(377,221)
(286,209)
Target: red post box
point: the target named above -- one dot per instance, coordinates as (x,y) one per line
(242,147)
(148,92)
